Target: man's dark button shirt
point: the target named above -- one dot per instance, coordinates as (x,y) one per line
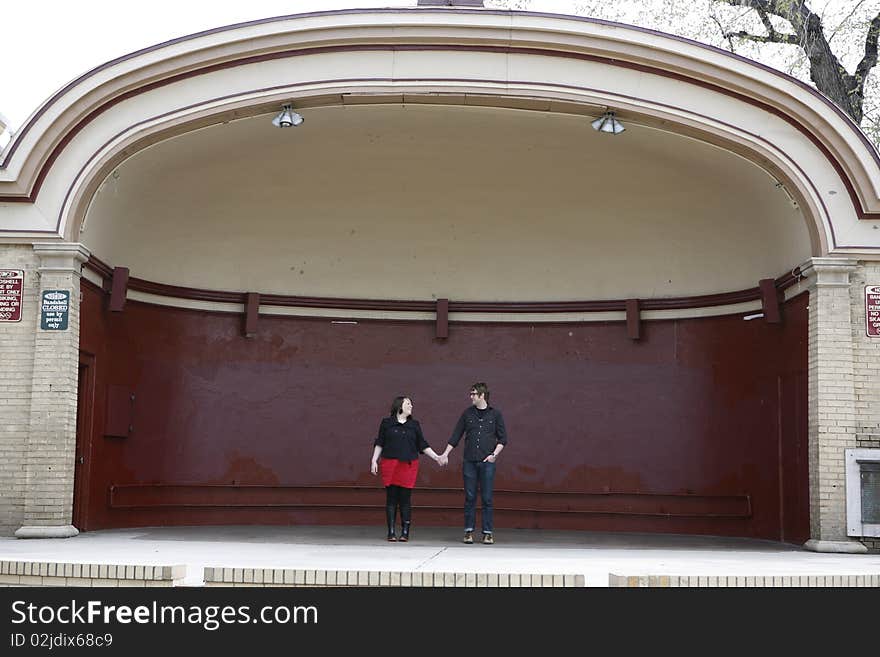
(482,430)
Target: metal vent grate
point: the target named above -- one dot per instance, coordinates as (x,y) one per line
(862,491)
(869,480)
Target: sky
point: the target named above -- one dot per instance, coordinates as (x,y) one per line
(48,44)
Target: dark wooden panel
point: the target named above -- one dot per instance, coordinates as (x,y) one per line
(154,496)
(119,412)
(691,411)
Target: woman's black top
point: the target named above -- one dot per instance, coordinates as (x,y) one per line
(403,442)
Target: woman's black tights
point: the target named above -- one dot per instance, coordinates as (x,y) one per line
(398,496)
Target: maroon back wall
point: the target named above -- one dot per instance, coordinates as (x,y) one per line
(699,427)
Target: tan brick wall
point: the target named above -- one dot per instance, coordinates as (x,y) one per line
(16,378)
(38,390)
(831,399)
(48,573)
(52,432)
(866,360)
(823,581)
(278,577)
(844,387)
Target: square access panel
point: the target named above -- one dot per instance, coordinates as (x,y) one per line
(863,492)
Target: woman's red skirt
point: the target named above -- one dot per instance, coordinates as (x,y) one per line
(399,473)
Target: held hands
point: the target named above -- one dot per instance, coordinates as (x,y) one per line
(442,459)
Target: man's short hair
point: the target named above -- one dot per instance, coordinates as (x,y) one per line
(481,389)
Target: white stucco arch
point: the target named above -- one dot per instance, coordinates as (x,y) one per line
(535,61)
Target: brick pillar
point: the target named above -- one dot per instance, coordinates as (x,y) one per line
(51,441)
(16,374)
(832,401)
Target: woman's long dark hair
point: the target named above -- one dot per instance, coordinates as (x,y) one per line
(397,405)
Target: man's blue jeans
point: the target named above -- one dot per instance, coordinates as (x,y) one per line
(482,474)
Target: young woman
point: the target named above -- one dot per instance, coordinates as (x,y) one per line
(399,443)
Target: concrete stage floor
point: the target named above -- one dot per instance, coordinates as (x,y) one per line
(594,555)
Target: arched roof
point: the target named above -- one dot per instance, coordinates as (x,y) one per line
(538,62)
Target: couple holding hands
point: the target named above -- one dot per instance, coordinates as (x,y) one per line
(400,441)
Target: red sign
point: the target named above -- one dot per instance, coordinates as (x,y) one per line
(11,284)
(872,310)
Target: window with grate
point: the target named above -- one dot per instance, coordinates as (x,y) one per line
(870,485)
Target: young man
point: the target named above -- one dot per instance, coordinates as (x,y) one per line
(484,437)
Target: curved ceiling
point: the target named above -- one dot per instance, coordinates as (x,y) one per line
(422,201)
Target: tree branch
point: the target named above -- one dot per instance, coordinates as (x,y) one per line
(724,35)
(766,20)
(775,37)
(843,22)
(870,59)
(762,7)
(825,69)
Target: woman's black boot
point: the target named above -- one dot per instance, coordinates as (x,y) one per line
(405,497)
(390,513)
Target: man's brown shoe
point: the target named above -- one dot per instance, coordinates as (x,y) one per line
(488,539)
(468,537)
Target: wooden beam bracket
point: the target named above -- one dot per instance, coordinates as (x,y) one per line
(118,289)
(633,319)
(252,314)
(442,327)
(771,301)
